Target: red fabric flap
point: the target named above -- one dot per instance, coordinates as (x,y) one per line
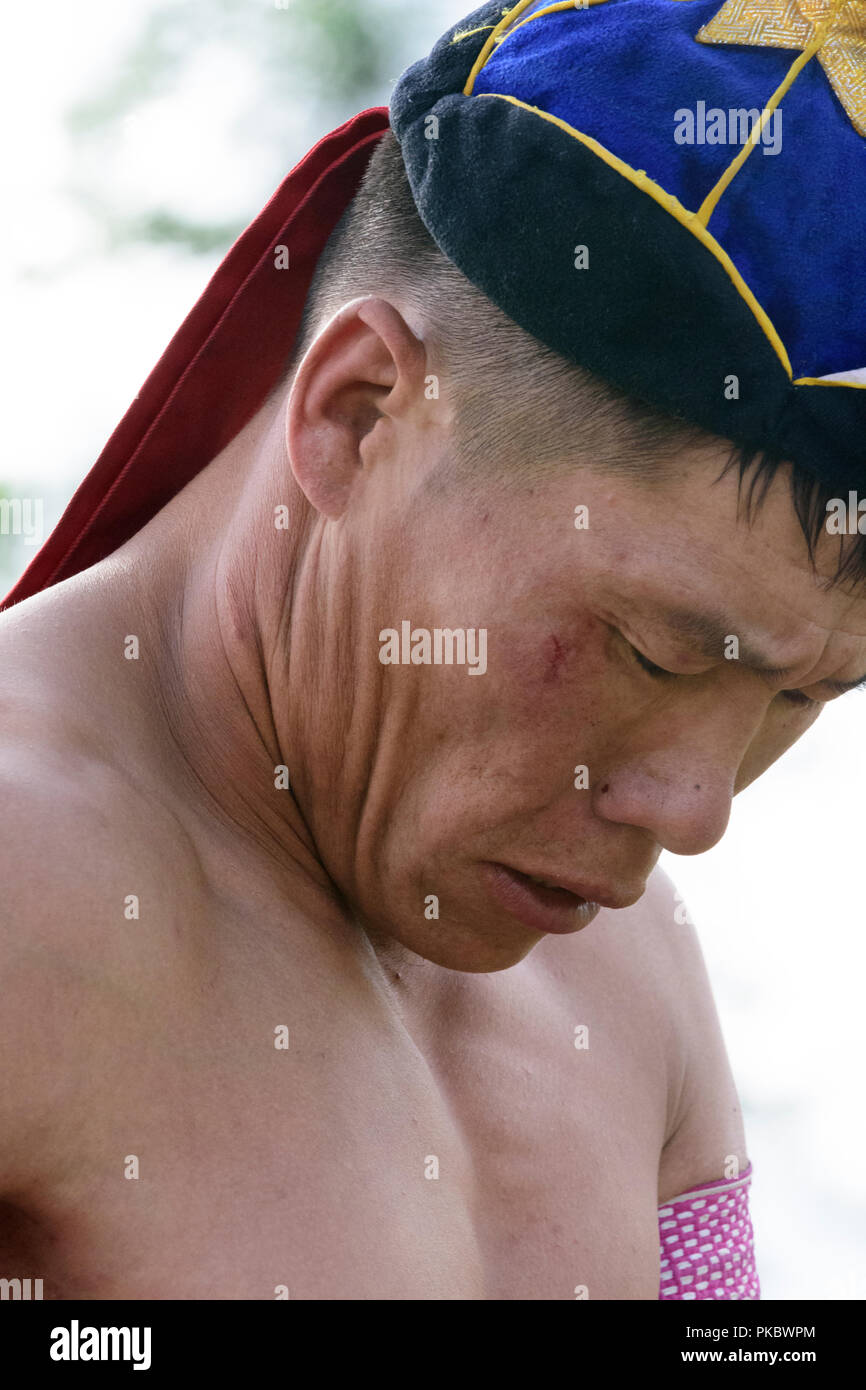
(220,365)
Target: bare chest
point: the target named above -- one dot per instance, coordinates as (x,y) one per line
(504,1147)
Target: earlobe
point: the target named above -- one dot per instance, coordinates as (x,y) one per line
(362,368)
(323,464)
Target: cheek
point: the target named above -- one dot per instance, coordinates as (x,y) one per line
(576,660)
(555,676)
(780,731)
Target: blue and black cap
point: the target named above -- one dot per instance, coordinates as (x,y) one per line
(669,193)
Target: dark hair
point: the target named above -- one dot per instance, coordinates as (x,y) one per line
(381,246)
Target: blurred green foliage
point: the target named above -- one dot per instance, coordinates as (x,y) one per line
(319,49)
(326,59)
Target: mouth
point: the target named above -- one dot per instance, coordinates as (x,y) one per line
(543,905)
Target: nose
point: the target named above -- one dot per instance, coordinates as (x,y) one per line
(684,805)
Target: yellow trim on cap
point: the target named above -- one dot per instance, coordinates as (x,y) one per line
(672,205)
(551,9)
(506,27)
(819,381)
(467,33)
(514,13)
(708,206)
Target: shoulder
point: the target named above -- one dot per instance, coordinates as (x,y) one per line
(65,834)
(72,956)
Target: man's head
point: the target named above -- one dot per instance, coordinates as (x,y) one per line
(442,454)
(501,380)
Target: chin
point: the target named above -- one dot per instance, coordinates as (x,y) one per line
(454,947)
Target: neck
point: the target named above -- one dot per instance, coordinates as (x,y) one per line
(210,587)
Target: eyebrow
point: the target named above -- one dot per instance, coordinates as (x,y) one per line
(708,631)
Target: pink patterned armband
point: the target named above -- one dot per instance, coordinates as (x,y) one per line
(706,1242)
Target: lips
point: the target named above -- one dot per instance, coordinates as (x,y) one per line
(538,905)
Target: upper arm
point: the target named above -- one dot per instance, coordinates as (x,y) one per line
(705,1139)
(53,950)
(34,1048)
(77,966)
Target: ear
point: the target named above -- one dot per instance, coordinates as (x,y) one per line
(363,372)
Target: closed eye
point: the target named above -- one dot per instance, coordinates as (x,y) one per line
(794,697)
(658,671)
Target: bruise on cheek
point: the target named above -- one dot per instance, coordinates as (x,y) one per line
(552,678)
(581,657)
(553,653)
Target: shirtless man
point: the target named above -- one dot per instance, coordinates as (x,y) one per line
(282,1007)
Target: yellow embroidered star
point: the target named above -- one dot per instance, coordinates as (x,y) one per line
(795,24)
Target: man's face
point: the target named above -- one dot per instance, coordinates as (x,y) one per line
(470,771)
